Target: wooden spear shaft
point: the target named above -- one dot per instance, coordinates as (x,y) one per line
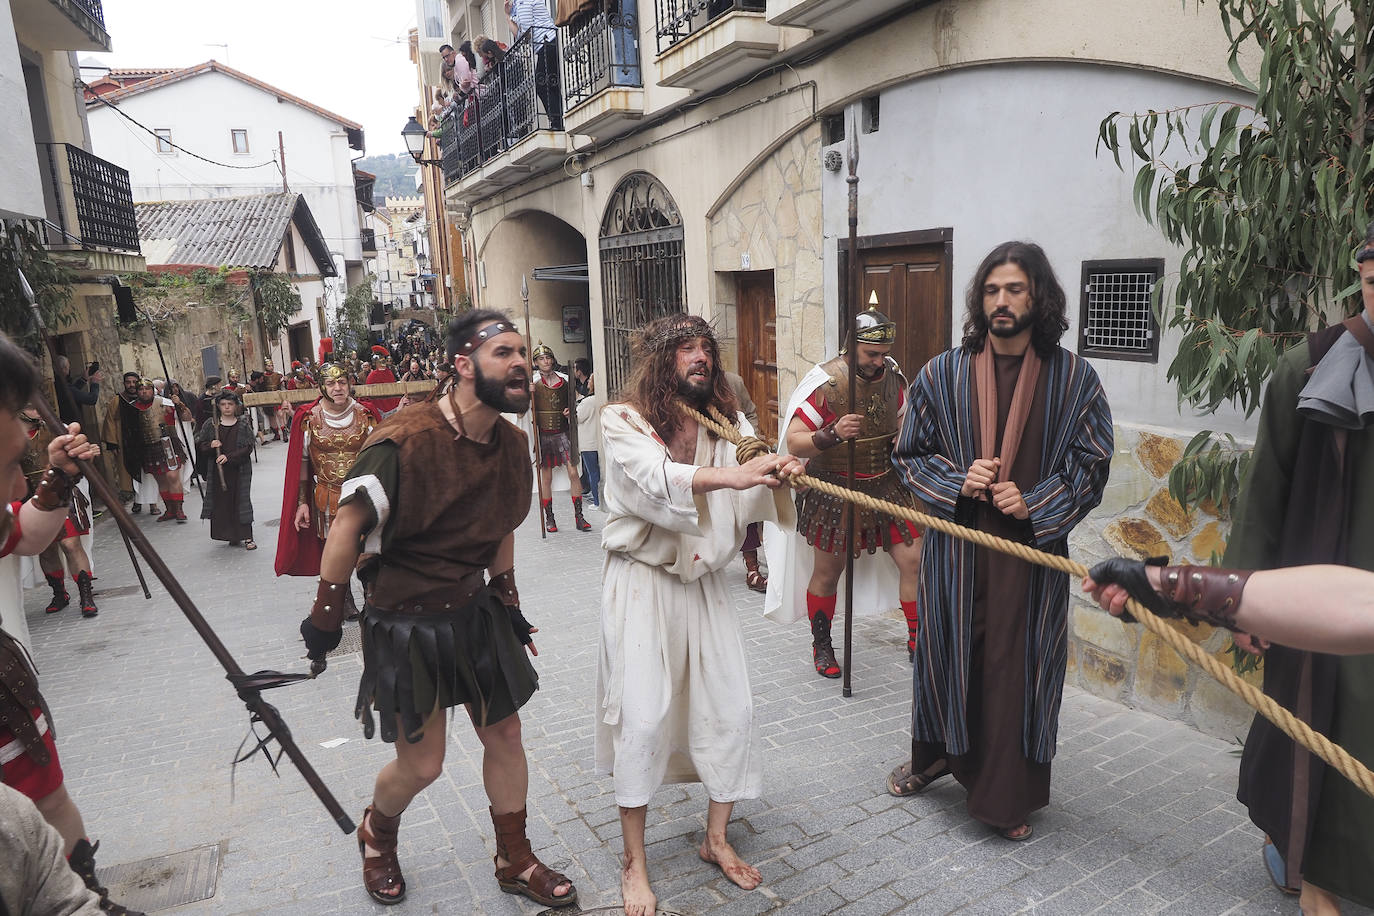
(847,331)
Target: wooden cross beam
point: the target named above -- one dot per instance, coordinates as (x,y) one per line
(303,395)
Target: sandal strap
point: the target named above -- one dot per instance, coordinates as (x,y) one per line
(543,880)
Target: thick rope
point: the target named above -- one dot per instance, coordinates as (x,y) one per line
(748,447)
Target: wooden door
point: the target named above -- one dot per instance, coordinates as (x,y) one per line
(758,347)
(910,272)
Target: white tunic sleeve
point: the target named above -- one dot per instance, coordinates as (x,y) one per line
(651,487)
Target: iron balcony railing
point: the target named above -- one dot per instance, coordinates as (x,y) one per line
(89,197)
(513,99)
(677,20)
(600,51)
(92,8)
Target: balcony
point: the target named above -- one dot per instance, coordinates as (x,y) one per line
(706,44)
(511,124)
(60,25)
(602,83)
(834,15)
(88,200)
(369,237)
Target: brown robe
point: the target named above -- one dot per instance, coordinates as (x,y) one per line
(1004,787)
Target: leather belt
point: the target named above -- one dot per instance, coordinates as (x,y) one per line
(441,601)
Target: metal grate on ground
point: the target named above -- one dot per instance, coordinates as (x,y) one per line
(165,881)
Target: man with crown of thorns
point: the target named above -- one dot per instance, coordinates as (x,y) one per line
(821,416)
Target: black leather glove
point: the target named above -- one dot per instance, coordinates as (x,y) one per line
(1130,575)
(520,625)
(319,643)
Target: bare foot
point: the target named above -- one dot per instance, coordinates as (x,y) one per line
(634,889)
(718,851)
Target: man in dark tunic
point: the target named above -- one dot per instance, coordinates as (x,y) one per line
(1306,498)
(433,500)
(1011,434)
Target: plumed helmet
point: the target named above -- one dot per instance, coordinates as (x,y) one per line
(873,327)
(330,372)
(381,356)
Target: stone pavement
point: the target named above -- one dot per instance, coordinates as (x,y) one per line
(1142,817)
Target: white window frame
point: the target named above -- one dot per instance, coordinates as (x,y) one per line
(166,141)
(233,140)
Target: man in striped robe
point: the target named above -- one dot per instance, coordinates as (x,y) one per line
(1010,434)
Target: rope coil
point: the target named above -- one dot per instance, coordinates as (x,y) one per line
(748,447)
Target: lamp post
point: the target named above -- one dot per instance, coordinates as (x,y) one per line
(415,137)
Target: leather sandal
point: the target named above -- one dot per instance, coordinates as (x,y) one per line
(513,846)
(381,872)
(1015,835)
(902,782)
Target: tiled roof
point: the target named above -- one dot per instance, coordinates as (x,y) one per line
(229,231)
(214,66)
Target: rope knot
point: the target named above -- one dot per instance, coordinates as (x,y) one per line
(750,447)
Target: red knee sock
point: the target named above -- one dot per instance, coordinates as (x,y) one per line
(912,622)
(820,604)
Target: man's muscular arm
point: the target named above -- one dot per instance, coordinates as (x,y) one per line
(39,518)
(323,629)
(805,443)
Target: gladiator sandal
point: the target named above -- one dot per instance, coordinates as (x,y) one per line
(578,521)
(513,846)
(822,652)
(755,580)
(170,514)
(178,505)
(384,871)
(60,597)
(82,861)
(549,524)
(83,586)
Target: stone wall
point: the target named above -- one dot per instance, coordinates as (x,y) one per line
(1126,662)
(774,218)
(197,325)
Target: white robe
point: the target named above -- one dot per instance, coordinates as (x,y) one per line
(791,559)
(673,695)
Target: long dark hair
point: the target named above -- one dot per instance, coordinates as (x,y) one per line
(18,376)
(1048,302)
(652,386)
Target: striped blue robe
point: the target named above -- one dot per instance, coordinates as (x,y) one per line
(933,453)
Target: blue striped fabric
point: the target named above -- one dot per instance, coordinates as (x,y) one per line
(933,453)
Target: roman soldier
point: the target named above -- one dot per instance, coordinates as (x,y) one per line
(551,394)
(234,383)
(326,436)
(381,374)
(71,542)
(151,445)
(821,416)
(272,380)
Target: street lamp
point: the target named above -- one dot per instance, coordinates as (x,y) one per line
(415,136)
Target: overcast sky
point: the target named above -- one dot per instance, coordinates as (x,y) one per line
(349,56)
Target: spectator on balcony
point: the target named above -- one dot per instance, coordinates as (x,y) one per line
(465,70)
(533,15)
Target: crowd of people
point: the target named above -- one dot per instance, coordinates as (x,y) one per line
(1009,433)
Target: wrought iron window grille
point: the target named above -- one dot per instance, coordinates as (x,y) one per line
(1116,311)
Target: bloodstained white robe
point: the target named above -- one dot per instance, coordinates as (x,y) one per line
(673,696)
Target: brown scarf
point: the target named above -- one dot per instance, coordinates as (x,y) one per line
(985,376)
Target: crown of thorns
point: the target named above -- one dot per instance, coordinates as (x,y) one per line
(687,327)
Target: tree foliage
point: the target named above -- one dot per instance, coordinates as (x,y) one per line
(354,317)
(51,282)
(277,301)
(1269,202)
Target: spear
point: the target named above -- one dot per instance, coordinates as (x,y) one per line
(249,687)
(176,411)
(849,314)
(534,425)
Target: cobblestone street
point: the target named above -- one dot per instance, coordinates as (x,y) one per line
(1142,816)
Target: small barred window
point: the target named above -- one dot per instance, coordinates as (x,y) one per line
(1117,318)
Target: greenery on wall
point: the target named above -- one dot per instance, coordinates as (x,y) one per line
(353,318)
(277,301)
(1269,201)
(164,299)
(22,249)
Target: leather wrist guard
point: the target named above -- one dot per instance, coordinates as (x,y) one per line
(327,613)
(1204,594)
(303,494)
(54,491)
(825,437)
(505,587)
(1200,594)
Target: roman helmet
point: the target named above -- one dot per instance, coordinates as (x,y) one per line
(543,350)
(267,364)
(329,372)
(381,357)
(233,376)
(873,327)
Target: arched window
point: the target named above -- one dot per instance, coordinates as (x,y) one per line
(643,273)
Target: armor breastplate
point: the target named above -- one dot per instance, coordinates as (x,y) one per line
(150,423)
(549,404)
(271,381)
(333,451)
(877,401)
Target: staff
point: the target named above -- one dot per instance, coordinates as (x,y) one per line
(249,687)
(847,328)
(195,473)
(529,346)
